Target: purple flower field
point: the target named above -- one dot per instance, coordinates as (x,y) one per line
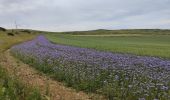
(117,76)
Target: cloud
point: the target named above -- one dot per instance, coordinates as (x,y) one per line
(66,15)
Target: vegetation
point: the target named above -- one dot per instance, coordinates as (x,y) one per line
(121,75)
(10,87)
(127,31)
(7,41)
(2,29)
(139,42)
(117,76)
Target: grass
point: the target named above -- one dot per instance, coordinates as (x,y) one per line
(7,41)
(127,31)
(12,89)
(10,86)
(152,44)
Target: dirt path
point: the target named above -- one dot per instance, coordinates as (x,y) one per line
(30,76)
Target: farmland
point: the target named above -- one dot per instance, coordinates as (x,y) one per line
(19,81)
(139,42)
(86,66)
(84,50)
(117,65)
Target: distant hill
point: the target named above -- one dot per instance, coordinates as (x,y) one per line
(106,31)
(123,31)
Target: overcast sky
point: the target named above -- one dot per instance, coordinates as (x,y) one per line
(70,15)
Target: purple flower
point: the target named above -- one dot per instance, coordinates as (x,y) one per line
(139,72)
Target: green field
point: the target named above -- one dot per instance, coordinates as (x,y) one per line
(139,42)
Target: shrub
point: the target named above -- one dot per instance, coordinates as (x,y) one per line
(10,34)
(2,29)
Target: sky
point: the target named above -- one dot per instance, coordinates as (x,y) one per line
(77,15)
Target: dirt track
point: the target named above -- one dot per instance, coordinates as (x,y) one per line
(31,77)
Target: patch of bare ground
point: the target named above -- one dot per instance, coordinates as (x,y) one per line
(52,89)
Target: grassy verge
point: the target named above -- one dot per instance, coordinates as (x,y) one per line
(7,41)
(12,89)
(10,86)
